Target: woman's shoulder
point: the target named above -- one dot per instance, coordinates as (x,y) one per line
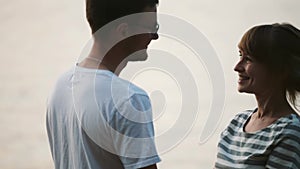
(292,125)
(295,118)
(240,118)
(293,121)
(244,115)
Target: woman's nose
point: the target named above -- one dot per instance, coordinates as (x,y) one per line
(238,67)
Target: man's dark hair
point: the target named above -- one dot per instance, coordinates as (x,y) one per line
(101,12)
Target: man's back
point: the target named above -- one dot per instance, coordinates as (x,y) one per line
(90,118)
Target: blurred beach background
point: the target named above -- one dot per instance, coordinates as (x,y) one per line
(40,39)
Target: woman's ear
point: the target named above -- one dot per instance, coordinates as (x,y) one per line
(282,76)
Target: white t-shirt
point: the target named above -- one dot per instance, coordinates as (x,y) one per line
(96,120)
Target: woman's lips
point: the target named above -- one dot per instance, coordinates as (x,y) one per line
(243,78)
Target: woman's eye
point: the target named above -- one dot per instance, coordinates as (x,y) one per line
(241,56)
(248,59)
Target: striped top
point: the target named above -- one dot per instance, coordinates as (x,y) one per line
(276,146)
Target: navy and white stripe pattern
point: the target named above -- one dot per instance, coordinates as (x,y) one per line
(276,146)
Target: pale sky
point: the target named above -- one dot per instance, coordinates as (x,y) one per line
(40,39)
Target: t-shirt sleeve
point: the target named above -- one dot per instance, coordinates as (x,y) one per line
(134,139)
(285,155)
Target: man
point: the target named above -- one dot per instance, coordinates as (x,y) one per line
(96,120)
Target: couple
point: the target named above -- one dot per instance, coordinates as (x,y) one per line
(96,120)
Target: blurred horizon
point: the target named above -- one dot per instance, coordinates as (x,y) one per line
(42,39)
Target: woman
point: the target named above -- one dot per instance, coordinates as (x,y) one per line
(269,68)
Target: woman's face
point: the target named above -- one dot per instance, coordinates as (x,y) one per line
(253,76)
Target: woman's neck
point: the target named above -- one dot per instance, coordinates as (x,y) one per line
(273,104)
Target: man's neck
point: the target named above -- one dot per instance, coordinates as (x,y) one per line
(112,61)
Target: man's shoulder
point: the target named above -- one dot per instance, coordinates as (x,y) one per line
(116,90)
(62,82)
(126,87)
(66,74)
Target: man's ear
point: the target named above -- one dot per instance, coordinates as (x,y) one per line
(122,30)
